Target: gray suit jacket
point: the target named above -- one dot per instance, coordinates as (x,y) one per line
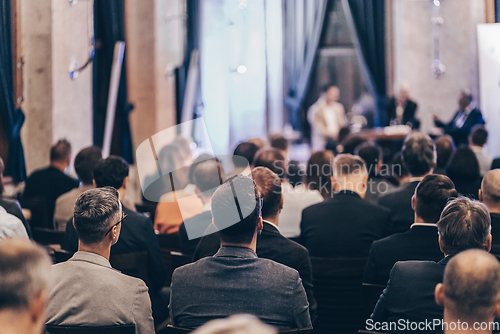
(236,281)
(87,291)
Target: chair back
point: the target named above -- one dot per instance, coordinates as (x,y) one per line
(118,329)
(48,236)
(61,255)
(180,259)
(337,289)
(371,294)
(169,241)
(132,264)
(174,330)
(298,331)
(39,213)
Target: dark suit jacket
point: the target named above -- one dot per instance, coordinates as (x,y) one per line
(461,134)
(273,246)
(408,114)
(398,202)
(410,292)
(14,208)
(495,234)
(236,281)
(49,183)
(343,226)
(200,222)
(418,243)
(137,235)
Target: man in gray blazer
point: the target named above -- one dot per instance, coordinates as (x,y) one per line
(86,290)
(235,280)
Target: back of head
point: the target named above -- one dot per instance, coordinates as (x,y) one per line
(246,150)
(110,172)
(319,172)
(444,149)
(278,141)
(207,176)
(463,165)
(419,154)
(96,211)
(346,165)
(432,194)
(271,158)
(85,162)
(471,285)
(24,274)
(226,208)
(351,142)
(60,151)
(269,185)
(464,224)
(371,154)
(184,147)
(479,135)
(490,188)
(261,143)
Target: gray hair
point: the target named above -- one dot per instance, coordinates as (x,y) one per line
(24,273)
(96,210)
(419,154)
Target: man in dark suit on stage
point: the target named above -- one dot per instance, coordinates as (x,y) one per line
(461,124)
(345,225)
(270,243)
(409,295)
(402,110)
(420,242)
(235,280)
(489,194)
(419,157)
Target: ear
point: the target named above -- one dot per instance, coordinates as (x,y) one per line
(487,246)
(281,203)
(480,195)
(93,182)
(74,223)
(441,245)
(335,185)
(439,294)
(413,202)
(37,308)
(260,225)
(497,309)
(125,182)
(365,179)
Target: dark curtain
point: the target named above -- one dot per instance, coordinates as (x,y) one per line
(11,117)
(497,11)
(303,22)
(109,28)
(368,18)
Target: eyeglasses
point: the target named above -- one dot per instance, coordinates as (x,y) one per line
(120,221)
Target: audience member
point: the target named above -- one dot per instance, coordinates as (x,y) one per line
(259,142)
(401,110)
(377,184)
(236,324)
(419,157)
(470,293)
(351,142)
(399,172)
(489,194)
(345,225)
(10,205)
(477,140)
(51,182)
(328,119)
(246,150)
(444,149)
(319,173)
(207,176)
(295,173)
(279,142)
(463,170)
(86,290)
(137,234)
(409,295)
(24,285)
(419,242)
(294,199)
(466,117)
(270,243)
(11,226)
(235,280)
(85,162)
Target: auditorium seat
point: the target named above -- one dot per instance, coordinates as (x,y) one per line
(48,236)
(371,294)
(118,329)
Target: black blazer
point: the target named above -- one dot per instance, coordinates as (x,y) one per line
(410,292)
(419,243)
(495,234)
(398,202)
(461,134)
(273,246)
(343,226)
(12,207)
(408,114)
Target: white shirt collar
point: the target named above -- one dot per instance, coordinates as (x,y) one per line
(267,221)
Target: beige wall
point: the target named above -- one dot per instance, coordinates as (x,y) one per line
(413,53)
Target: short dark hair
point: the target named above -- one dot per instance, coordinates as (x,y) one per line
(351,142)
(464,224)
(371,154)
(269,185)
(463,165)
(432,194)
(479,135)
(419,154)
(110,172)
(246,150)
(278,141)
(319,172)
(96,210)
(60,151)
(85,162)
(271,158)
(224,205)
(208,175)
(444,149)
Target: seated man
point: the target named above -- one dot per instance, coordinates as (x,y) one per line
(470,292)
(409,295)
(86,290)
(11,226)
(235,280)
(419,242)
(489,194)
(24,285)
(345,225)
(477,140)
(85,162)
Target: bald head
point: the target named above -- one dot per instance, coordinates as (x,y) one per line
(471,286)
(490,190)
